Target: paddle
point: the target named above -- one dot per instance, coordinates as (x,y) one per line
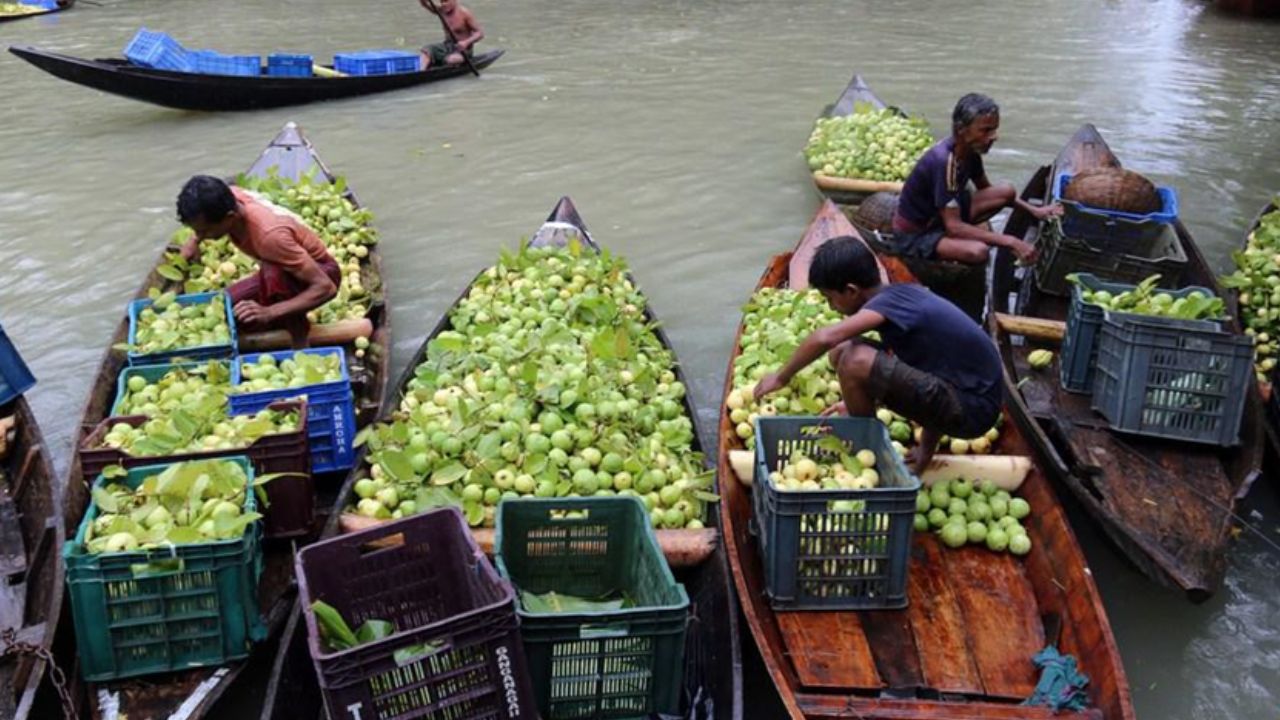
(452,38)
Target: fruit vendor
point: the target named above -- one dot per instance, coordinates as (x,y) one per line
(296,272)
(937,216)
(465,30)
(936,367)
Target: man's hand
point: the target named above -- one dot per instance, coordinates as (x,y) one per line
(770,383)
(1024,251)
(1045,212)
(250,312)
(837,409)
(190,249)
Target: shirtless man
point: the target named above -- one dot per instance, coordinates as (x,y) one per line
(464,27)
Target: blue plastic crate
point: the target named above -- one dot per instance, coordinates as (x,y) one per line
(152,373)
(1113,230)
(45,4)
(158,51)
(15,377)
(204,352)
(377,62)
(288,65)
(331,417)
(209,62)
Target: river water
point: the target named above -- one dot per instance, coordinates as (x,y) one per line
(676,126)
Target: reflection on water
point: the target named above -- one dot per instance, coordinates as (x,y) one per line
(676,126)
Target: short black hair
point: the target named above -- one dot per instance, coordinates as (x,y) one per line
(842,261)
(205,197)
(970,108)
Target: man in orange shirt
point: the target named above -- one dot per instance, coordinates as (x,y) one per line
(296,273)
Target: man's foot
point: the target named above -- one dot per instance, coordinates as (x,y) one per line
(426,60)
(454,59)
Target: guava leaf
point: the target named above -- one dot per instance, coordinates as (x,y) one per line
(114,471)
(415,653)
(169,272)
(489,446)
(105,501)
(448,474)
(396,464)
(374,630)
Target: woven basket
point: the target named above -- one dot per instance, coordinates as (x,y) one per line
(876,212)
(1114,189)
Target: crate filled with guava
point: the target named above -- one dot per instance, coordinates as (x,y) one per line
(326,208)
(274,439)
(868,144)
(161,389)
(164,327)
(163,572)
(318,374)
(1256,281)
(963,511)
(547,379)
(409,619)
(1093,299)
(831,507)
(602,617)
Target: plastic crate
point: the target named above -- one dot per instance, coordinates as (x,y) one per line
(209,62)
(289,65)
(608,664)
(291,498)
(152,373)
(1060,256)
(1113,230)
(377,62)
(331,415)
(819,556)
(161,610)
(456,652)
(1175,383)
(15,377)
(202,352)
(157,51)
(1080,342)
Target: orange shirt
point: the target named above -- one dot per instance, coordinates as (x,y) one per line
(276,235)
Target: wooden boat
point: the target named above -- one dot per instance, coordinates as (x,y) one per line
(1270,403)
(1250,8)
(191,694)
(1165,504)
(38,11)
(212,93)
(31,534)
(850,191)
(713,674)
(962,648)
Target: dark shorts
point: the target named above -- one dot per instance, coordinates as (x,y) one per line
(928,399)
(924,244)
(273,284)
(438,52)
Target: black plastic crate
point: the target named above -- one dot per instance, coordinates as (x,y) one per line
(604,664)
(820,555)
(1175,383)
(1061,256)
(456,654)
(291,498)
(1084,321)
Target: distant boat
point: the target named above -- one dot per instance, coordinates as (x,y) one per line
(213,93)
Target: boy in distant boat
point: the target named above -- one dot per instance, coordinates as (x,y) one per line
(942,369)
(465,28)
(937,216)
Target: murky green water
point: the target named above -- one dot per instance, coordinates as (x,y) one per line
(676,127)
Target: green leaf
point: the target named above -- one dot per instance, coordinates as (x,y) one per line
(396,464)
(448,474)
(111,472)
(169,272)
(489,446)
(105,500)
(415,653)
(374,630)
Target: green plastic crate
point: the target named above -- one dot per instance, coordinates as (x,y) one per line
(151,611)
(610,664)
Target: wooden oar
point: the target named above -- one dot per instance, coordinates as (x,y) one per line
(453,38)
(1032,327)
